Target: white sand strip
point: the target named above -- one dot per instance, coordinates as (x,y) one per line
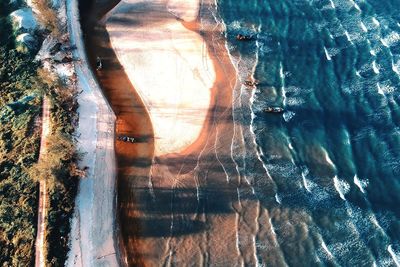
(168,65)
(92,236)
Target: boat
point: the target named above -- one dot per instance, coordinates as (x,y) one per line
(242,37)
(273,109)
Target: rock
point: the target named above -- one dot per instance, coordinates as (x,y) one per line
(24,20)
(27,41)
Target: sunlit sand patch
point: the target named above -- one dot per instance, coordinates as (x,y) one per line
(169,67)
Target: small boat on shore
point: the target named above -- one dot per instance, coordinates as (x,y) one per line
(125,138)
(242,37)
(273,109)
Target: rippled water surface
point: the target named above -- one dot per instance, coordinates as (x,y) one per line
(333,156)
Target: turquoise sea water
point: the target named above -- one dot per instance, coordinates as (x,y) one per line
(333,156)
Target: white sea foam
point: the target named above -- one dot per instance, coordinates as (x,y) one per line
(375,67)
(327,158)
(372,52)
(281,75)
(376,223)
(265,49)
(305,181)
(325,247)
(321,26)
(392,38)
(332,4)
(380,91)
(395,256)
(235,25)
(342,187)
(278,198)
(294,101)
(288,115)
(375,21)
(365,68)
(384,42)
(361,184)
(328,57)
(275,239)
(396,68)
(363,27)
(385,88)
(290,146)
(294,90)
(333,51)
(357,7)
(348,37)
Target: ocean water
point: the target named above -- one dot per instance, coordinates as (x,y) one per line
(330,164)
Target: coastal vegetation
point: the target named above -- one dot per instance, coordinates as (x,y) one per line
(19,145)
(48,16)
(59,167)
(23,84)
